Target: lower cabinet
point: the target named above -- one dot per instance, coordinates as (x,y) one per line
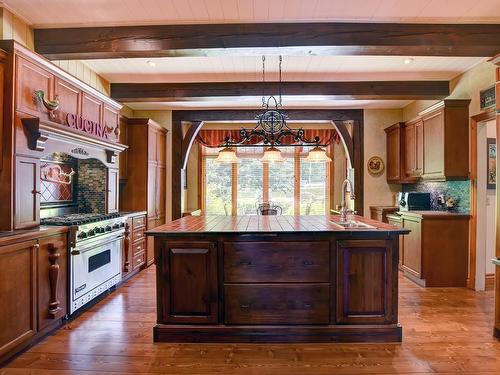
(33,287)
(134,246)
(18,318)
(190,277)
(365,280)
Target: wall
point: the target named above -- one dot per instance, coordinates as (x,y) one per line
(84,73)
(377,191)
(12,27)
(163,118)
(193,173)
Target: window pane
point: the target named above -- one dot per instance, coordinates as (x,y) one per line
(281,177)
(249,186)
(218,187)
(312,188)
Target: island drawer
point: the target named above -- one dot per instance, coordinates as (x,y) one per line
(277,261)
(277,304)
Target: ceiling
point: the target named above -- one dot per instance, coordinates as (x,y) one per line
(40,13)
(245,67)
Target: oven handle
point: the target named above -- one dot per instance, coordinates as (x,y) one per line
(78,251)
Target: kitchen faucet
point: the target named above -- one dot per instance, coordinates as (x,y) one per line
(344,210)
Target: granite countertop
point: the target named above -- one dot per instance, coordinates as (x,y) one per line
(132,213)
(441,214)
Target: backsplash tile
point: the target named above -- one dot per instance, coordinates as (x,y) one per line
(91,186)
(459,190)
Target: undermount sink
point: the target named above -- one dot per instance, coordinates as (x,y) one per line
(353,224)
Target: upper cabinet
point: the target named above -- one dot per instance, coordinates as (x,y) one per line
(434,146)
(446,140)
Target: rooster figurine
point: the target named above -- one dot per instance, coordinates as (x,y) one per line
(51,105)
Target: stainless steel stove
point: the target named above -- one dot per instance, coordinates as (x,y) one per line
(96,242)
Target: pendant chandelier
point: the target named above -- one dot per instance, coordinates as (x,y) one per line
(270,130)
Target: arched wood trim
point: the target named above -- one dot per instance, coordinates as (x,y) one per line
(182,144)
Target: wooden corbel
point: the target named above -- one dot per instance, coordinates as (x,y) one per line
(111,156)
(54,256)
(36,138)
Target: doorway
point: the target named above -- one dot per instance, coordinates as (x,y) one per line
(483,201)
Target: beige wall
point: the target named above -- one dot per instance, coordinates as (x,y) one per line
(84,73)
(465,86)
(377,191)
(193,174)
(163,118)
(12,27)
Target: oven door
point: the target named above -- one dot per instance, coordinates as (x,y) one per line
(95,267)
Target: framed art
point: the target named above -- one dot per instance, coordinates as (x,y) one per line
(375,165)
(491,160)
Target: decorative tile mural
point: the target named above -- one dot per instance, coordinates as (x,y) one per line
(458,190)
(57,179)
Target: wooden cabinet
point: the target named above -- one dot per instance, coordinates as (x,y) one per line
(33,286)
(400,149)
(446,140)
(191,282)
(27,193)
(395,219)
(111,120)
(91,108)
(413,148)
(30,78)
(144,188)
(18,319)
(112,183)
(435,251)
(70,99)
(380,213)
(365,275)
(134,249)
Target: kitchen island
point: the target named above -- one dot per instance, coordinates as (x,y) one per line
(276,279)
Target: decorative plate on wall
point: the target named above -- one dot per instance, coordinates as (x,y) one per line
(375,166)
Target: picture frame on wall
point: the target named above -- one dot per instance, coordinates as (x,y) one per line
(491,160)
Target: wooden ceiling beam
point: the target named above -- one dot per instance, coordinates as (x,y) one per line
(481,40)
(372,90)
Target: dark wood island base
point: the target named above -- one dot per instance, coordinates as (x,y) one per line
(276,279)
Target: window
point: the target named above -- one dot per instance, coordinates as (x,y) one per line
(312,188)
(218,196)
(249,192)
(281,185)
(296,186)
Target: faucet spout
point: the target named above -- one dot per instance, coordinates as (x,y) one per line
(344,210)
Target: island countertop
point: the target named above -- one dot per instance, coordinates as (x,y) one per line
(248,224)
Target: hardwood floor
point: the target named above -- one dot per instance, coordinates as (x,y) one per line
(446,331)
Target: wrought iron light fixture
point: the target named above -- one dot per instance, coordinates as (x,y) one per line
(270,131)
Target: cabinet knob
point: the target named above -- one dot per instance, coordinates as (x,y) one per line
(36,192)
(244,306)
(307,305)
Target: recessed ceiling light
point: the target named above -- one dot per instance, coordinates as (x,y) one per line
(408,60)
(151,63)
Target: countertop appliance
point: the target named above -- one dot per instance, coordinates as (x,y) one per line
(95,242)
(412,201)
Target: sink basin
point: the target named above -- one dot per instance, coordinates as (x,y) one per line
(353,224)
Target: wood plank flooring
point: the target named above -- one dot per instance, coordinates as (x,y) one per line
(446,331)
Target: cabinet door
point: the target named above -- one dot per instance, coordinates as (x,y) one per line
(52,276)
(152,188)
(410,150)
(419,148)
(91,108)
(31,77)
(393,155)
(367,285)
(152,144)
(113,187)
(27,193)
(189,270)
(161,148)
(69,99)
(433,135)
(412,244)
(18,291)
(161,182)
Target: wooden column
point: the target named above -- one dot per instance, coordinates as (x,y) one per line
(54,256)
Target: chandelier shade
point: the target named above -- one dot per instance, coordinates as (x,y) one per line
(227,155)
(318,155)
(272,155)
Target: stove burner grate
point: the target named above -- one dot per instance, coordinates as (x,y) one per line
(77,219)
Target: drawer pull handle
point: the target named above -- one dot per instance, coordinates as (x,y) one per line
(246,263)
(244,306)
(307,263)
(307,305)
